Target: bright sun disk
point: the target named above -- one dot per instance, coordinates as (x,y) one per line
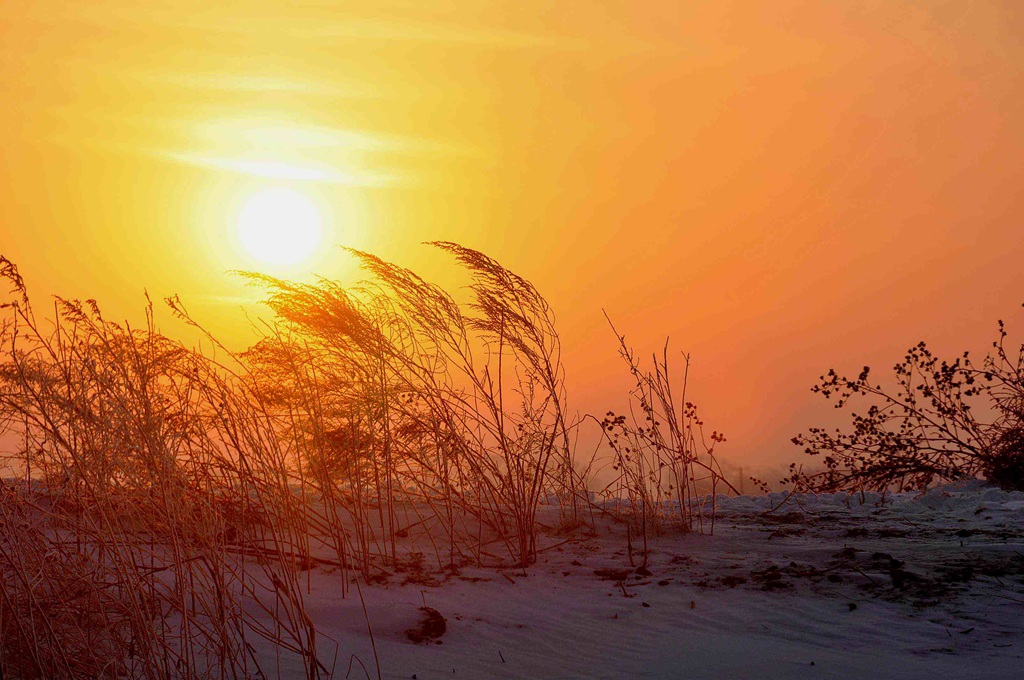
(280,226)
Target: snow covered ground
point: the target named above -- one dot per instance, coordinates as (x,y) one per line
(838,586)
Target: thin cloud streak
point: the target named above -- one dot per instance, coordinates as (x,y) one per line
(286,171)
(270,135)
(248,82)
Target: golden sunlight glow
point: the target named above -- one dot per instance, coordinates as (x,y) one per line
(280,226)
(711,171)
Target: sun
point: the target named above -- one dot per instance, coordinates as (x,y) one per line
(280,226)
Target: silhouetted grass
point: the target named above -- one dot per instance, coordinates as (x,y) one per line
(665,466)
(165,505)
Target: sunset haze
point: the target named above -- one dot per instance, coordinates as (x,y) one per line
(778,187)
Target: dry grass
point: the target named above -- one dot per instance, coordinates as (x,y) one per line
(144,469)
(665,467)
(164,507)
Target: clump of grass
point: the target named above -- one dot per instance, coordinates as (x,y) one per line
(118,539)
(665,468)
(406,396)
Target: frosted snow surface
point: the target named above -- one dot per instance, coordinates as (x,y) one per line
(832,586)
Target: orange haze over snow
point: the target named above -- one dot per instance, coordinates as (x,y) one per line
(779,186)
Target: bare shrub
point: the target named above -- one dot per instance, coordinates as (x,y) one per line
(942,420)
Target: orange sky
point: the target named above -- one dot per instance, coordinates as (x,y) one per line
(779,186)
